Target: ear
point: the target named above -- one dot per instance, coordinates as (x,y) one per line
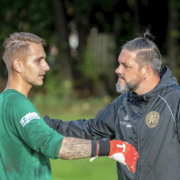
(17,65)
(147,71)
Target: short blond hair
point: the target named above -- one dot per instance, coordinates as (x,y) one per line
(18,44)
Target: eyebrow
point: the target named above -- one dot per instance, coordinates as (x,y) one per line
(41,57)
(123,63)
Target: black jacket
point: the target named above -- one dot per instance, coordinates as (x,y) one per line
(150,122)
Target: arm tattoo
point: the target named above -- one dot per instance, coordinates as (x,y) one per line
(73,148)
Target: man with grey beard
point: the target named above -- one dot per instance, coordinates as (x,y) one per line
(128,86)
(146,114)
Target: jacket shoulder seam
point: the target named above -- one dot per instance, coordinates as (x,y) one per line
(168,108)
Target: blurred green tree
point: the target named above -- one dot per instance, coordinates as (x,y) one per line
(56,20)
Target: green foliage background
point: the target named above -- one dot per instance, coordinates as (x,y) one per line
(123,19)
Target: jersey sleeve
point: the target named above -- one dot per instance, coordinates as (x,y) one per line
(27,124)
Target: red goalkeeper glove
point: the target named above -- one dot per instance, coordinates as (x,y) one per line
(124,153)
(120,151)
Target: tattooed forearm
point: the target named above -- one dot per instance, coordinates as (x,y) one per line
(73,148)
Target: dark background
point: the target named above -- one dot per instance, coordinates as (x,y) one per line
(76,72)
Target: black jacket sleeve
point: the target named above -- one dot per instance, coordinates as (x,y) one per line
(102,127)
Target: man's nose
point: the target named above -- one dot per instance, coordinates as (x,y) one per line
(118,70)
(46,66)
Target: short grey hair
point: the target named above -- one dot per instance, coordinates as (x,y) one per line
(146,52)
(18,43)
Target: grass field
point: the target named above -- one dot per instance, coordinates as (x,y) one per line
(101,168)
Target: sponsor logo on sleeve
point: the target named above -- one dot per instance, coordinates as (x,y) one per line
(29,117)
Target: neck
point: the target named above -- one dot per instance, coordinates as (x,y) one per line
(16,83)
(148,85)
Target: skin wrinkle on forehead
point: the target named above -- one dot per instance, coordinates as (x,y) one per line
(135,56)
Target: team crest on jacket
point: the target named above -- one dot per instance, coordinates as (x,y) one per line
(152,119)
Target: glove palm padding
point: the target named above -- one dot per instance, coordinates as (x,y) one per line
(124,153)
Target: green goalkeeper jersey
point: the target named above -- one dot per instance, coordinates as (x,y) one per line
(26,142)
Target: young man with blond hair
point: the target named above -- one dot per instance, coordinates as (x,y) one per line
(26,142)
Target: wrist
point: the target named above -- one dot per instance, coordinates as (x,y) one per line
(100,147)
(93,148)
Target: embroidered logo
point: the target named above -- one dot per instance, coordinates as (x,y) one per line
(29,117)
(152,119)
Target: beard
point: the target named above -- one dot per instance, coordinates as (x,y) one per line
(128,86)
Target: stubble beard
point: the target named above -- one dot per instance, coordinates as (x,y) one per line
(128,86)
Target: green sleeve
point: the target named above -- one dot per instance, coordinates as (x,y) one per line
(27,124)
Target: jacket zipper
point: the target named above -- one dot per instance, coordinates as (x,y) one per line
(138,146)
(138,150)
